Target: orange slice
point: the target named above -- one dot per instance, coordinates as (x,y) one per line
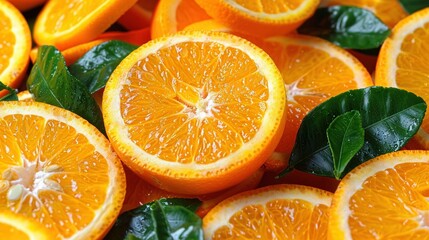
(172,16)
(313,70)
(384,198)
(15,45)
(260,18)
(59,170)
(402,63)
(67,24)
(389,11)
(196,112)
(273,212)
(14,226)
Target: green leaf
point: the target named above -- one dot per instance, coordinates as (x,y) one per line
(345,137)
(390,118)
(412,6)
(11,95)
(347,26)
(161,219)
(50,82)
(95,67)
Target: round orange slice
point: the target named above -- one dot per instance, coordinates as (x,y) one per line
(70,23)
(272,212)
(260,18)
(14,226)
(384,198)
(402,63)
(313,70)
(15,45)
(196,112)
(59,170)
(172,16)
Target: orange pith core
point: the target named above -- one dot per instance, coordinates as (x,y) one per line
(185,112)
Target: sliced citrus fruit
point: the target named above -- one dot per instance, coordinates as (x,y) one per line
(402,62)
(172,16)
(195,112)
(59,170)
(384,198)
(389,11)
(14,226)
(260,18)
(15,45)
(67,24)
(313,70)
(272,212)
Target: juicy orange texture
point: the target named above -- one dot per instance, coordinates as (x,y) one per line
(273,212)
(68,23)
(15,45)
(384,198)
(402,62)
(59,170)
(260,18)
(195,112)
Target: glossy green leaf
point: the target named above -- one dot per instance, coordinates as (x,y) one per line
(95,67)
(51,82)
(345,137)
(412,6)
(347,26)
(161,219)
(390,117)
(11,95)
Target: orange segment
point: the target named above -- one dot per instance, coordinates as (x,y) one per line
(68,23)
(313,70)
(389,11)
(260,18)
(172,16)
(59,170)
(13,226)
(385,198)
(402,62)
(273,212)
(195,112)
(15,45)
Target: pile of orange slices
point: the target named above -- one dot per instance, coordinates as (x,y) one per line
(207,106)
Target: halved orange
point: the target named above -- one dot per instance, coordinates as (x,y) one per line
(172,16)
(14,226)
(15,45)
(402,62)
(272,212)
(389,11)
(260,18)
(196,112)
(384,198)
(24,5)
(313,70)
(58,170)
(67,24)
